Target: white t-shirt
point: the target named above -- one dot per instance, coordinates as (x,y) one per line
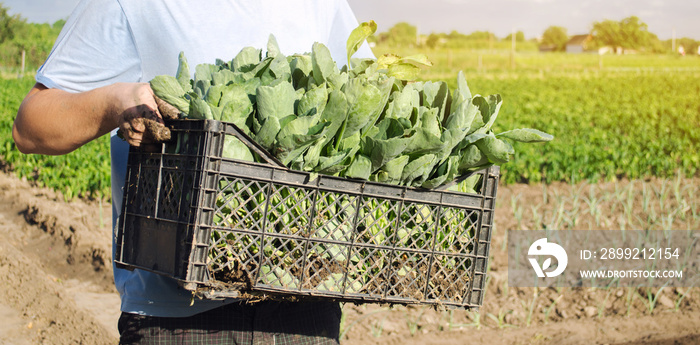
(109,41)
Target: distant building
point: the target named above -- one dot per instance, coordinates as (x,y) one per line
(578,43)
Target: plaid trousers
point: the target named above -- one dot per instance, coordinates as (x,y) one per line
(268,323)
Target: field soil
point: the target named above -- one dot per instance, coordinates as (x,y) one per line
(56,284)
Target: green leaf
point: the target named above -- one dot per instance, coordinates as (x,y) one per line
(386,60)
(236,149)
(313,154)
(424,142)
(361,167)
(462,87)
(352,142)
(462,116)
(301,68)
(488,108)
(322,63)
(417,60)
(168,89)
(301,144)
(273,49)
(469,184)
(358,36)
(275,100)
(337,80)
(403,71)
(290,135)
(268,132)
(526,135)
(205,71)
(331,164)
(213,95)
(471,157)
(384,150)
(201,87)
(237,107)
(393,170)
(403,102)
(429,120)
(497,150)
(435,96)
(418,169)
(226,76)
(313,102)
(246,60)
(183,73)
(334,113)
(277,70)
(363,99)
(199,109)
(445,172)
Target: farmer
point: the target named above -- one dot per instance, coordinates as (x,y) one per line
(95,81)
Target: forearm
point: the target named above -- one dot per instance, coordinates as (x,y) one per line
(52,121)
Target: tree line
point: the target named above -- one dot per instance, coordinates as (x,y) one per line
(36,40)
(16,35)
(628,34)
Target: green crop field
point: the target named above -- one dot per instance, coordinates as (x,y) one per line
(83,172)
(612,117)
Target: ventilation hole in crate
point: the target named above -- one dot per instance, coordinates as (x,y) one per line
(325,267)
(457,231)
(145,203)
(289,210)
(152,162)
(334,216)
(170,193)
(189,143)
(416,227)
(409,275)
(377,221)
(283,262)
(186,211)
(233,257)
(240,204)
(449,278)
(367,273)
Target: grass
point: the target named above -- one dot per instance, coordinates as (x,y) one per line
(531,307)
(500,319)
(681,297)
(549,309)
(414,321)
(651,298)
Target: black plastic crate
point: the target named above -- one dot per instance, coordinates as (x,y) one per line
(229,228)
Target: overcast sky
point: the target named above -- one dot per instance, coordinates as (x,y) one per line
(466,16)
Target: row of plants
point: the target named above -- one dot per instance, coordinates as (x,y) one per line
(632,125)
(607,126)
(82,173)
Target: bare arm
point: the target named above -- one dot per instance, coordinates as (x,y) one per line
(53,121)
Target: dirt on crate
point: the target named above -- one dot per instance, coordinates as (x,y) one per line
(56,274)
